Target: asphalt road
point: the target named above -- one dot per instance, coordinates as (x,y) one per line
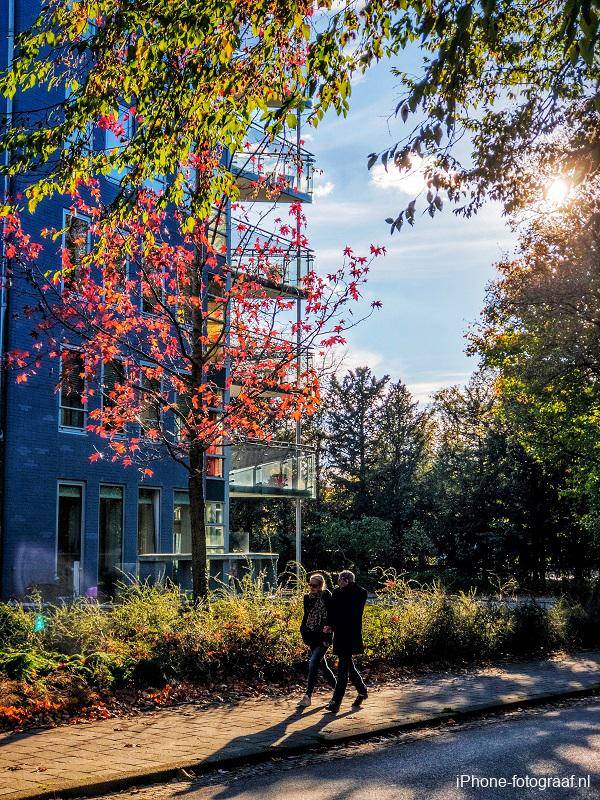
(536,747)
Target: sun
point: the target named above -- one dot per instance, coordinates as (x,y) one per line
(557,191)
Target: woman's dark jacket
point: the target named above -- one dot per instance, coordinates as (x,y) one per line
(345,617)
(314,636)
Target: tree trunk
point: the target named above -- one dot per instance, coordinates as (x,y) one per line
(198,526)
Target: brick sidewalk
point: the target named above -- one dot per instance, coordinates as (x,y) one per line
(104,755)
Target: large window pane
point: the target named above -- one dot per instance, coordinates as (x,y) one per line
(182,528)
(68,534)
(150,411)
(148,520)
(115,144)
(77,238)
(72,390)
(110,538)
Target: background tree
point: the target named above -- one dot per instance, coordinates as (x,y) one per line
(540,333)
(353,418)
(403,446)
(493,508)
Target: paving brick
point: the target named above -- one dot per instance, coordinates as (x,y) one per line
(188,735)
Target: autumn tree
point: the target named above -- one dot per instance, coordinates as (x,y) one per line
(540,334)
(185,356)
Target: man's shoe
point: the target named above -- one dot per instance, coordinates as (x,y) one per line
(305,702)
(332,707)
(360,698)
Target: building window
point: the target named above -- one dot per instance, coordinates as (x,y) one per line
(214,461)
(152,293)
(110,538)
(150,388)
(182,417)
(116,144)
(116,277)
(72,390)
(215,455)
(148,520)
(113,376)
(69,525)
(77,242)
(182,528)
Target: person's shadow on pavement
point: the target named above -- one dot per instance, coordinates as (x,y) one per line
(263,744)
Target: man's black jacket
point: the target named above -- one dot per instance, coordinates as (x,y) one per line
(345,617)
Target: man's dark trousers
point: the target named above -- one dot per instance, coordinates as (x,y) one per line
(346,669)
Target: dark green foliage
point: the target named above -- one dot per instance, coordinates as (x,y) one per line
(16,627)
(355,410)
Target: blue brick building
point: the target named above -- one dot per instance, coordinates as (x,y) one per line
(71,527)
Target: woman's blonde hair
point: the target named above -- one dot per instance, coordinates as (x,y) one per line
(317,576)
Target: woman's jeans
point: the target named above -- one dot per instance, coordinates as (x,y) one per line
(346,669)
(317,659)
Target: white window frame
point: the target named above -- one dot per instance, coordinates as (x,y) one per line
(60,482)
(123,489)
(66,214)
(158,507)
(68,428)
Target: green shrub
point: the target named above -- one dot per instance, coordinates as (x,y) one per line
(27,664)
(16,626)
(151,635)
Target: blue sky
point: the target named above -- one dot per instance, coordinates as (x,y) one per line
(432,280)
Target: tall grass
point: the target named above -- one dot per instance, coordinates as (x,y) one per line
(151,635)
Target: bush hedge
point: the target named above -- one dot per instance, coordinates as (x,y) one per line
(151,636)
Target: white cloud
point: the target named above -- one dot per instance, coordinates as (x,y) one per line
(359,357)
(423,391)
(323,189)
(409,183)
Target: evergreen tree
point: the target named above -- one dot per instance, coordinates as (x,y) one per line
(403,442)
(355,409)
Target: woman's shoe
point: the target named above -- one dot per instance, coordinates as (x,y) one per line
(359,700)
(305,702)
(333,707)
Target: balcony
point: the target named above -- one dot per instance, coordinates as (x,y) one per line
(272,171)
(271,470)
(266,385)
(277,263)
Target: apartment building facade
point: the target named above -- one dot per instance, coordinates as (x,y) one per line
(72,527)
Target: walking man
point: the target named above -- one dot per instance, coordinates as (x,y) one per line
(345,619)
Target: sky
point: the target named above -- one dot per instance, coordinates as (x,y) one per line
(432,280)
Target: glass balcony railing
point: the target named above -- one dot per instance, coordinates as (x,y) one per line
(272,170)
(271,470)
(273,260)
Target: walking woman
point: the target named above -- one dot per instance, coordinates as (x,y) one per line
(312,629)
